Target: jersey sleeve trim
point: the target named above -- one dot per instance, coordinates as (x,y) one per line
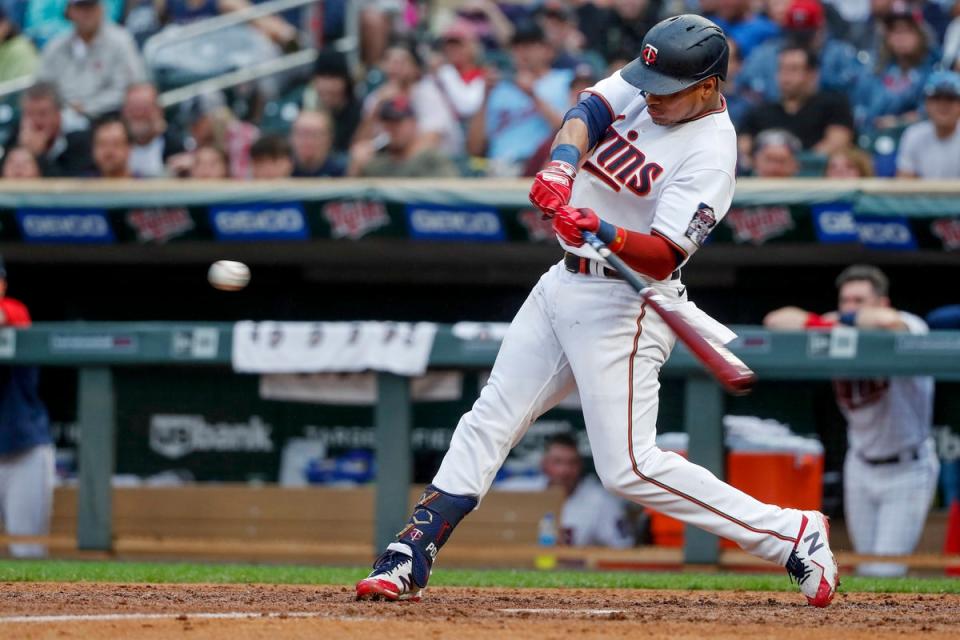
(683,252)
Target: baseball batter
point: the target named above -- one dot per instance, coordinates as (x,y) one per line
(891,468)
(651,149)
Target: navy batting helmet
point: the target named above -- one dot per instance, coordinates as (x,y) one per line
(677,53)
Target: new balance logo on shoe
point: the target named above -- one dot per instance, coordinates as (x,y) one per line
(815,544)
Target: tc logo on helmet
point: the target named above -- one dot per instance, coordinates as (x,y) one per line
(649,54)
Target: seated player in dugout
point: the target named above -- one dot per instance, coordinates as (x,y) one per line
(658,157)
(891,467)
(590,515)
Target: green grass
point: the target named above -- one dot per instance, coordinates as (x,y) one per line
(82,571)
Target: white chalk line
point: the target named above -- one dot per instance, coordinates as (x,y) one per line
(253,615)
(588,612)
(184,617)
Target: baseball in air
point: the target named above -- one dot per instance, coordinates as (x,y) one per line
(228,275)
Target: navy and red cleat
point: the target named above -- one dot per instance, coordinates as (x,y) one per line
(811,563)
(392,577)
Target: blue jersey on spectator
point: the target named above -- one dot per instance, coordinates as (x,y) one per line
(23,419)
(892,92)
(839,69)
(749,33)
(514,126)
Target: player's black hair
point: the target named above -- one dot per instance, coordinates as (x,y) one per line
(813,61)
(270,147)
(877,278)
(564,439)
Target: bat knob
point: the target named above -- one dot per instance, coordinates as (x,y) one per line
(741,385)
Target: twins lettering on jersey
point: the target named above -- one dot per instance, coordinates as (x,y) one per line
(617,162)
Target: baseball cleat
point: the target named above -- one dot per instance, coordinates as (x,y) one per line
(811,562)
(392,577)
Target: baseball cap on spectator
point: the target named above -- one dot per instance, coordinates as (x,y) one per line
(943,84)
(902,10)
(73,3)
(527,32)
(396,109)
(804,15)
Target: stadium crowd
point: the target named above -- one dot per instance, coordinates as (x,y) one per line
(843,88)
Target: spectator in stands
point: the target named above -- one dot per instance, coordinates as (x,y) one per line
(93,65)
(584,78)
(804,25)
(891,96)
(271,158)
(559,25)
(618,28)
(459,77)
(775,154)
(44,20)
(488,21)
(404,69)
(741,23)
(402,157)
(520,112)
(40,130)
(931,149)
(155,143)
(311,139)
(186,11)
(209,163)
(331,89)
(849,163)
(739,103)
(19,164)
(821,120)
(18,56)
(213,124)
(111,148)
(590,516)
(891,467)
(26,448)
(951,42)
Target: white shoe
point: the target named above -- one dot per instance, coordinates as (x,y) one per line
(392,577)
(811,562)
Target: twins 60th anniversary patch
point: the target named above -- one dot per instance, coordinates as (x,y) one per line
(702,223)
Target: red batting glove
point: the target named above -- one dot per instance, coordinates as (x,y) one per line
(569,223)
(552,186)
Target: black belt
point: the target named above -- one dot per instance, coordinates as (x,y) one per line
(579,264)
(908,456)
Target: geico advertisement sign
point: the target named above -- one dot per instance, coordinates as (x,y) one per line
(74,226)
(275,221)
(837,224)
(438,222)
(177,435)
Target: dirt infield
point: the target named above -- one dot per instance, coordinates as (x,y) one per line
(239,612)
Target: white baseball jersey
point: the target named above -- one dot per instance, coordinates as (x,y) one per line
(887,416)
(595,334)
(676,182)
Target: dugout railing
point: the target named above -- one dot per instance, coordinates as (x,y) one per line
(100,351)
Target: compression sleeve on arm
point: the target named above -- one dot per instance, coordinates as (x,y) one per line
(595,113)
(648,254)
